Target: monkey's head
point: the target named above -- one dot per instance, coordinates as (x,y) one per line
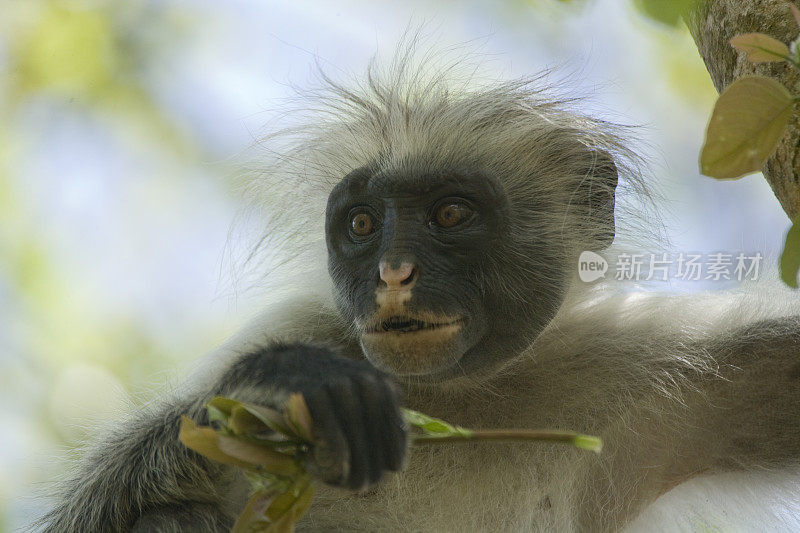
(455,211)
(453,256)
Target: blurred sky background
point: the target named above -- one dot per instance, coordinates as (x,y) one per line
(119,125)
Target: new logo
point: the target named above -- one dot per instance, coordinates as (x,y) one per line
(591,266)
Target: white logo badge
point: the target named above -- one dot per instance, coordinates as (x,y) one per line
(591,266)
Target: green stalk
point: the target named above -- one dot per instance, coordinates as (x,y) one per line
(585,442)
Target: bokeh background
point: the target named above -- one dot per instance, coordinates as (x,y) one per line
(120,126)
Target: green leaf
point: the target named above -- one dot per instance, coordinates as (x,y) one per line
(291,505)
(588,442)
(253,517)
(205,441)
(748,120)
(795,13)
(277,463)
(432,425)
(272,418)
(299,417)
(219,410)
(760,48)
(276,511)
(667,12)
(222,405)
(790,257)
(243,422)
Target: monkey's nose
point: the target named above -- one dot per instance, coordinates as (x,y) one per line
(402,277)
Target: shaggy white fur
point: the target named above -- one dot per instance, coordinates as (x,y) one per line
(684,390)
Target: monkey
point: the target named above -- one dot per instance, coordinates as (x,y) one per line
(435,225)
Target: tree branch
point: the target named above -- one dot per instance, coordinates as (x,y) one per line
(712,26)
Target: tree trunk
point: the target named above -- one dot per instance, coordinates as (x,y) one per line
(712,25)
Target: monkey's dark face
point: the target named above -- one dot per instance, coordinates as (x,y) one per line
(408,255)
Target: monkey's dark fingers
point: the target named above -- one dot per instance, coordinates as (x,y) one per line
(330,457)
(395,428)
(372,401)
(349,413)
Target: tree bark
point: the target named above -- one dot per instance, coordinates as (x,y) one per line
(712,25)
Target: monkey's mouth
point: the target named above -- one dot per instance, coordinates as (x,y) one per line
(412,342)
(408,324)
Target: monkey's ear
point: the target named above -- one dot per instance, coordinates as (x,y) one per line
(597,192)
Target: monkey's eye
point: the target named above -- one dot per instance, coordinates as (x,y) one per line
(451,213)
(362,224)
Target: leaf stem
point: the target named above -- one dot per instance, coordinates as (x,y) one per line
(568,437)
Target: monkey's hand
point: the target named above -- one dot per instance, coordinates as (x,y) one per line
(359,432)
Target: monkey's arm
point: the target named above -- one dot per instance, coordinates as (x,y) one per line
(142,467)
(740,412)
(748,415)
(140,476)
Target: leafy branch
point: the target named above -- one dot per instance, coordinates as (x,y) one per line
(272,446)
(748,121)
